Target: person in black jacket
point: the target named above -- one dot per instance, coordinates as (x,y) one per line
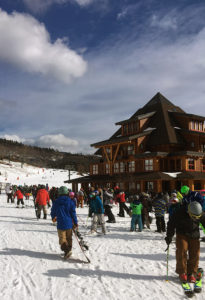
(185,221)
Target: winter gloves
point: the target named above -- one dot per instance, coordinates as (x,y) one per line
(168,240)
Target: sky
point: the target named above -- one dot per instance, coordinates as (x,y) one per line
(71,69)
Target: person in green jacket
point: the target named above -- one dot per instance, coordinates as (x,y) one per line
(136,207)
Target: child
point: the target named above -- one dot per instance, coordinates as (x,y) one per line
(96,208)
(136,207)
(63,210)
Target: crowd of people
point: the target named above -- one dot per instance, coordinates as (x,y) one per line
(185,209)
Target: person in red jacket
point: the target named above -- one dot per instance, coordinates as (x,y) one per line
(120,197)
(19,195)
(42,199)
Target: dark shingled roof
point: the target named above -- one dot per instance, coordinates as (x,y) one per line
(158,109)
(191,175)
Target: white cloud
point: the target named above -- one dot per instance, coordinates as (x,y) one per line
(14,138)
(41,5)
(26,43)
(166,22)
(56,141)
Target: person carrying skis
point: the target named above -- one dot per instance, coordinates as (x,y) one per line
(185,221)
(64,212)
(96,208)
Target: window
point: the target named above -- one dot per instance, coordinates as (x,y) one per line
(148,164)
(108,150)
(95,169)
(203,164)
(149,185)
(138,186)
(125,129)
(203,147)
(131,186)
(200,126)
(191,164)
(116,168)
(130,150)
(107,168)
(178,164)
(122,167)
(135,127)
(131,166)
(192,125)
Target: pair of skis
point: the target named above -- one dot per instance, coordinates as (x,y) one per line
(83,246)
(189,292)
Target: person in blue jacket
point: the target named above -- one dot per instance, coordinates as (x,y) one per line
(63,211)
(97,209)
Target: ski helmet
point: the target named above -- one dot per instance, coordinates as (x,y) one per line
(195,210)
(184,189)
(63,190)
(71,194)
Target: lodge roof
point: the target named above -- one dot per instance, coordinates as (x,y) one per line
(122,139)
(158,110)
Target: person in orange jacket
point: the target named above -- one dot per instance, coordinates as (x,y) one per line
(42,199)
(19,195)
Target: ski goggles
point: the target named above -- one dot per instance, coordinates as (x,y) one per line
(195,217)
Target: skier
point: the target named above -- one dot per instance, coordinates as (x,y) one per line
(19,195)
(107,202)
(63,211)
(120,197)
(185,221)
(160,205)
(136,207)
(42,199)
(189,196)
(96,208)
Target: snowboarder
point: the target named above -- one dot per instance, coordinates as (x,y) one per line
(64,212)
(185,221)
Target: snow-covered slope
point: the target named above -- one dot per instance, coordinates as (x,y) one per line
(20,174)
(124,265)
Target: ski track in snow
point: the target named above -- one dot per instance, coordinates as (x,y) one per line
(124,264)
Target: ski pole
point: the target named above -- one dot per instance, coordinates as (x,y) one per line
(167,262)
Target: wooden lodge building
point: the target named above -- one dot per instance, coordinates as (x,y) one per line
(159,148)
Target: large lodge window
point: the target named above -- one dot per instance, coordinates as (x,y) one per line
(107,168)
(122,167)
(191,164)
(203,164)
(116,168)
(95,169)
(148,164)
(131,166)
(130,150)
(197,125)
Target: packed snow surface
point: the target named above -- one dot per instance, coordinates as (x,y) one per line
(124,265)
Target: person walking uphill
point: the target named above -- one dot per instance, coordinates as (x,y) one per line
(63,211)
(185,221)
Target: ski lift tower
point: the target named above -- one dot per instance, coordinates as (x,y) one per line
(69,168)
